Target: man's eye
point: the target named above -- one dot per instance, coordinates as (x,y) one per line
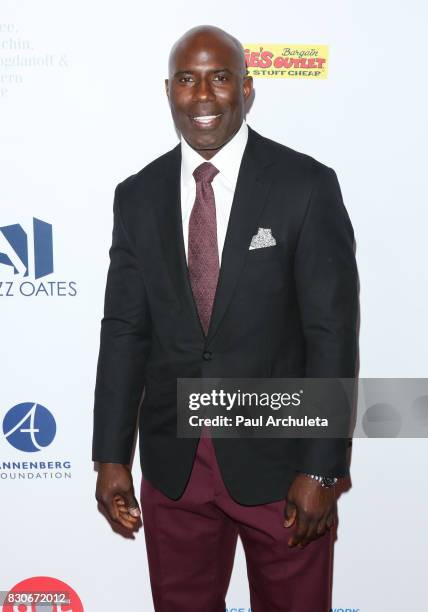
(220,77)
(185,79)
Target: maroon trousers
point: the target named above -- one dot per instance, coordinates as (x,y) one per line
(191,546)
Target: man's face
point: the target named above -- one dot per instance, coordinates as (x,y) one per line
(207,90)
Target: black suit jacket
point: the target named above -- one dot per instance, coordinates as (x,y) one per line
(285,311)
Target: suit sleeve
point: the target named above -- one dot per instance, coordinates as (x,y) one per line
(124,347)
(327,288)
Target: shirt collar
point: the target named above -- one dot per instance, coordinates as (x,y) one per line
(227,160)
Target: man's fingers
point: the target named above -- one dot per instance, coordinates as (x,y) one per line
(126,523)
(327,522)
(118,510)
(112,510)
(123,511)
(132,504)
(302,526)
(311,533)
(322,527)
(129,511)
(121,515)
(331,519)
(290,514)
(123,507)
(114,513)
(130,520)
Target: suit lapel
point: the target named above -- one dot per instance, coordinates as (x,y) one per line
(248,203)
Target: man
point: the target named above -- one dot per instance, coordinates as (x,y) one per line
(187,297)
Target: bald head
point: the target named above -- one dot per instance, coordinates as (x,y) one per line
(206,36)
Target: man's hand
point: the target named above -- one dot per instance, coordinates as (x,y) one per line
(312,507)
(115,494)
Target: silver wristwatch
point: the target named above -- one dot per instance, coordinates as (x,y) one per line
(326,481)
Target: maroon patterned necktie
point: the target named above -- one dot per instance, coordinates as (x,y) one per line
(203,259)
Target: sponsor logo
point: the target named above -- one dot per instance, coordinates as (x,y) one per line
(287,61)
(31,428)
(17,255)
(26,255)
(42,593)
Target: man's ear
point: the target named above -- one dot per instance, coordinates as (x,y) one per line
(167,87)
(248,86)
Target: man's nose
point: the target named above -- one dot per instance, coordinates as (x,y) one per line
(204,90)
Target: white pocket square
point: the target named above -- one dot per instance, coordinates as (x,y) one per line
(262,239)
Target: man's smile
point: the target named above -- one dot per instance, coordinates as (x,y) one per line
(205,121)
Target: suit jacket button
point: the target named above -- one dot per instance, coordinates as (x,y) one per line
(207,355)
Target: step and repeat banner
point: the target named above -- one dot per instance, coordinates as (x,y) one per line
(82,106)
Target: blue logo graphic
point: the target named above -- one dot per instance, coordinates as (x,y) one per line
(18,249)
(29,427)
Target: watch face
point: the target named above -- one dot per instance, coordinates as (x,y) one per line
(328,482)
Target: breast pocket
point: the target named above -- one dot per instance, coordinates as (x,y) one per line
(263,253)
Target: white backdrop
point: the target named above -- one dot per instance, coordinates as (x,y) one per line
(82,106)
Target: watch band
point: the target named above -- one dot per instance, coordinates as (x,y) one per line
(326,481)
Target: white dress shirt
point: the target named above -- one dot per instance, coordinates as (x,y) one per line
(227,161)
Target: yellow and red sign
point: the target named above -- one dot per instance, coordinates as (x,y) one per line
(287,61)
